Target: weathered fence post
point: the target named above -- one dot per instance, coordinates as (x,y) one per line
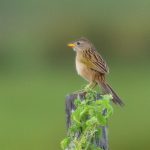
(102,141)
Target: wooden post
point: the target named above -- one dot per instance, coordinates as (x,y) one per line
(102,142)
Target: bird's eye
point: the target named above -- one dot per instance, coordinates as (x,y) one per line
(78,43)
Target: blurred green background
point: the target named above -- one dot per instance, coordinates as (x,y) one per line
(37,69)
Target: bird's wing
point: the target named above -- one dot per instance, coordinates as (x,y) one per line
(96,62)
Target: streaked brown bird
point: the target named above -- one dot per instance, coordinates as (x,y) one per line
(91,66)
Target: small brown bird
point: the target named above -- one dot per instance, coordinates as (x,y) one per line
(91,66)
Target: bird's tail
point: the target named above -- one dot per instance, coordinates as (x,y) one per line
(108,90)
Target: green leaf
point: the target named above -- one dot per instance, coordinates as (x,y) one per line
(92,121)
(107,97)
(65,143)
(77,102)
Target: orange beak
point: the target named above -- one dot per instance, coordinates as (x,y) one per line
(71,45)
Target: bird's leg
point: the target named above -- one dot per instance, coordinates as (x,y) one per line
(91,85)
(79,91)
(88,86)
(94,85)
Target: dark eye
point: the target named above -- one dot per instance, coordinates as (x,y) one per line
(78,43)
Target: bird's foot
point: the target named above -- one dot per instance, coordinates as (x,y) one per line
(87,87)
(79,91)
(90,86)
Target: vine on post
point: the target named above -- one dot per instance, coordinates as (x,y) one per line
(86,122)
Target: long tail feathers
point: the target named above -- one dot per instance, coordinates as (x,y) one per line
(107,89)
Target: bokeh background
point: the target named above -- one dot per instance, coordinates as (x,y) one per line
(37,69)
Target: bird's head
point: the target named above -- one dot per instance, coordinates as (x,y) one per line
(81,45)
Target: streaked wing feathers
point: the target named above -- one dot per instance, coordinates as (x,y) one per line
(96,62)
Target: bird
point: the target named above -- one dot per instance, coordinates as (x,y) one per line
(92,67)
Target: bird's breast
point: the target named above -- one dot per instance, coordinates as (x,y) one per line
(83,70)
(80,67)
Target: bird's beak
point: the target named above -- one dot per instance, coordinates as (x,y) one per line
(71,45)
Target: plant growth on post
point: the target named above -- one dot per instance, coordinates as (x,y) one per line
(87,116)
